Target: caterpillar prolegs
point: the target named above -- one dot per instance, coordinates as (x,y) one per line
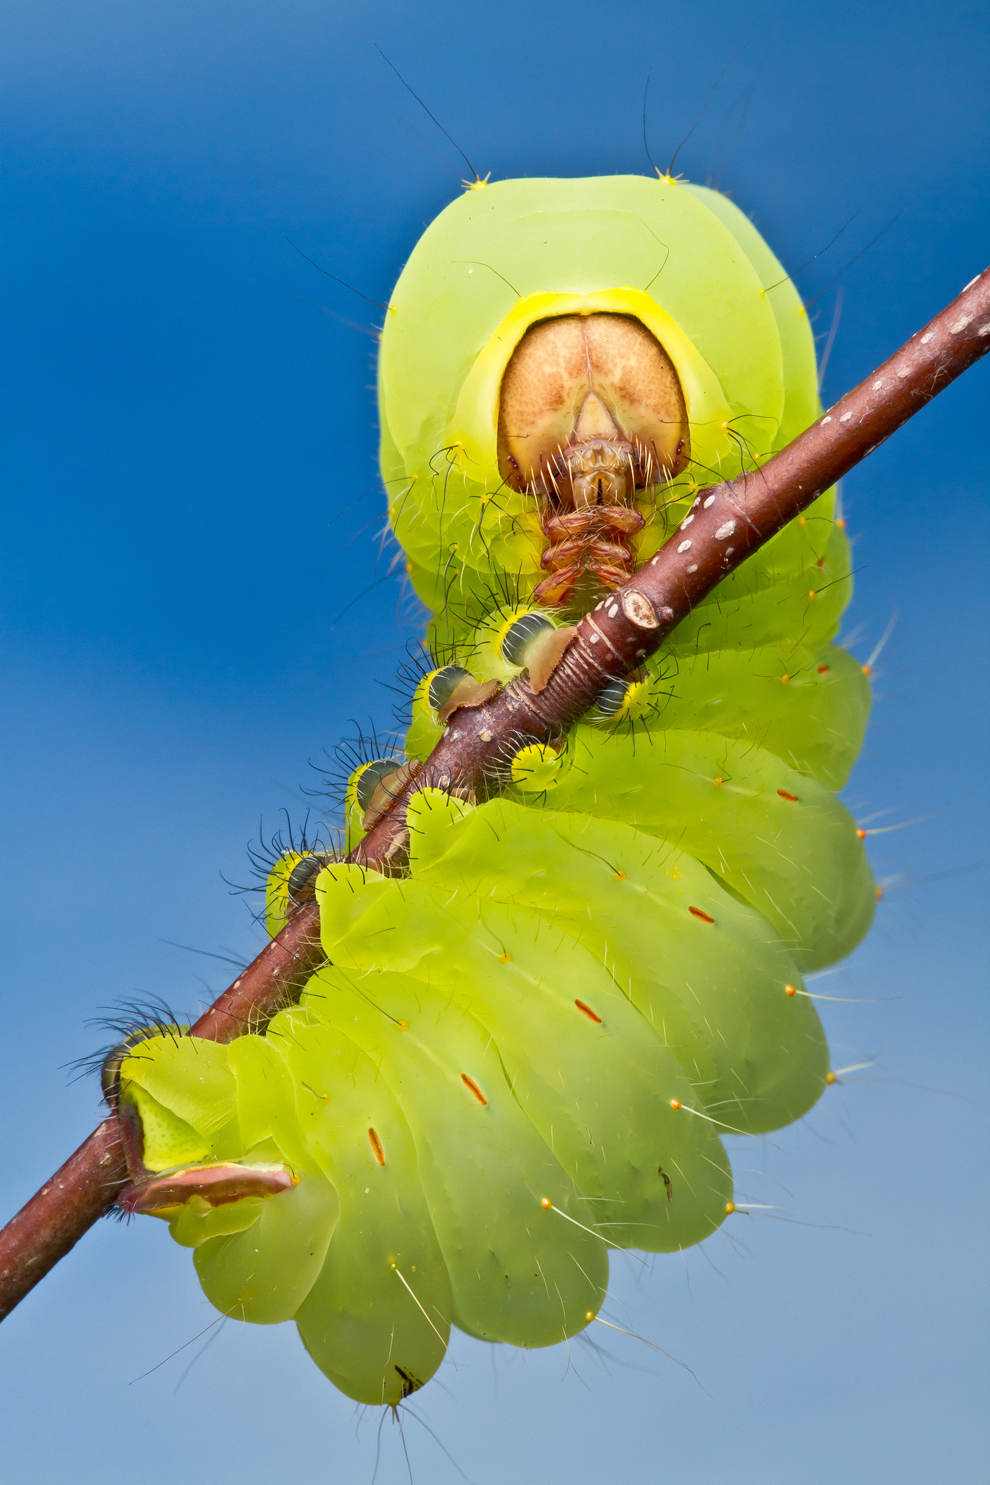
(524,1048)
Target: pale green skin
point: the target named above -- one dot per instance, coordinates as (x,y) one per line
(543,952)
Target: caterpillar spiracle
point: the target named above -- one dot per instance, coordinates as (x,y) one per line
(524,1049)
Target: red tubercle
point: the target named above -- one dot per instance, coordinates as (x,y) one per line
(473,1088)
(586,1010)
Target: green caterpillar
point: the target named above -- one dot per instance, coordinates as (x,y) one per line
(523,1051)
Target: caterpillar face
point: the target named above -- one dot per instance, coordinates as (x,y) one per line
(590,413)
(525,1047)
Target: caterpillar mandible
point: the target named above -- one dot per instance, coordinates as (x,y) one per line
(523,1051)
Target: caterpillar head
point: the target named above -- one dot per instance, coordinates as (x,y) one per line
(547,385)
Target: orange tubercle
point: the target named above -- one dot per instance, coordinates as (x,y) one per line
(473,1088)
(587,1011)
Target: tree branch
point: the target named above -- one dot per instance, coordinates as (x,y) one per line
(727,524)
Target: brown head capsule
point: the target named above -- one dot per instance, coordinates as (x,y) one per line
(591,411)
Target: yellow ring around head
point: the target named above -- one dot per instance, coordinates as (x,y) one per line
(473,431)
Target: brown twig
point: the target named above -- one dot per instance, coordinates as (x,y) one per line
(728,523)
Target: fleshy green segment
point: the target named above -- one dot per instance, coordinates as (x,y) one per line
(590,1074)
(481,1167)
(714,993)
(798,363)
(331,1250)
(776,839)
(373,1337)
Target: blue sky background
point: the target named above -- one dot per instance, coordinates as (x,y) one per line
(193,602)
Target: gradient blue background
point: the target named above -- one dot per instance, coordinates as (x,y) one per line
(195,601)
